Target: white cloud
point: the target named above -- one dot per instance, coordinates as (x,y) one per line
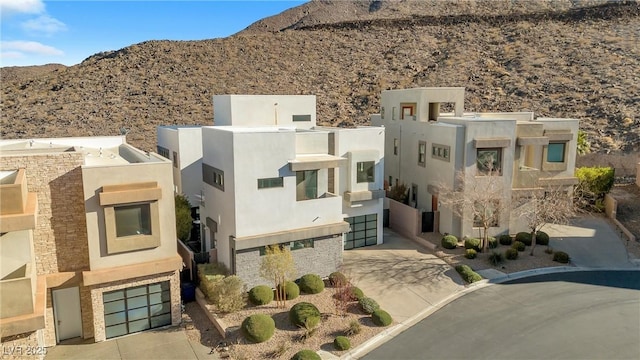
(31,47)
(11,55)
(9,7)
(44,24)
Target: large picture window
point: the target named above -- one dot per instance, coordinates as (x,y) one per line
(133,220)
(489,161)
(555,152)
(365,171)
(306,185)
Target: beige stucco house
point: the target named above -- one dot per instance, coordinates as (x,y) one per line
(87,243)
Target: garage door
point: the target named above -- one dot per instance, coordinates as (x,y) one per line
(364,231)
(136,309)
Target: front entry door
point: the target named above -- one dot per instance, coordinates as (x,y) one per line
(66,313)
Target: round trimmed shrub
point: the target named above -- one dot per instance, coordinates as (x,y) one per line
(356,293)
(470,254)
(449,242)
(381,318)
(468,274)
(472,243)
(561,257)
(505,239)
(524,237)
(511,254)
(311,284)
(542,238)
(258,328)
(493,242)
(261,295)
(337,279)
(495,258)
(306,355)
(304,314)
(291,290)
(342,343)
(368,305)
(518,245)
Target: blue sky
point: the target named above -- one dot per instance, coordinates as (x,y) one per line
(37,32)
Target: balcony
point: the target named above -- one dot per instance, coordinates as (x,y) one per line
(357,196)
(18,208)
(526,177)
(16,292)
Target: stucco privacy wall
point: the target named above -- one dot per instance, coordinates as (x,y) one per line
(324,258)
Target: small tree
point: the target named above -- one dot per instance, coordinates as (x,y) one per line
(584,147)
(277,265)
(548,205)
(184,222)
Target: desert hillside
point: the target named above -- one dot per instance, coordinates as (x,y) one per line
(578,59)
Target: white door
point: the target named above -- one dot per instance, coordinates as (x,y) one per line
(66,313)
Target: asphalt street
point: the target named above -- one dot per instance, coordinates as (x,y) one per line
(574,315)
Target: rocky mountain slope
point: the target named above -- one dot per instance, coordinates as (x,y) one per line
(557,58)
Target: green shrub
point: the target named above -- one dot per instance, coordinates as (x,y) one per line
(226,293)
(561,257)
(311,284)
(524,237)
(381,318)
(593,184)
(511,254)
(354,328)
(341,343)
(304,314)
(356,293)
(493,242)
(518,245)
(505,239)
(542,238)
(291,290)
(548,250)
(495,258)
(472,243)
(337,279)
(261,295)
(210,275)
(306,355)
(258,328)
(449,242)
(470,254)
(468,274)
(368,305)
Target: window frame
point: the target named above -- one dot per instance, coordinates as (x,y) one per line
(368,171)
(485,171)
(422,153)
(301,118)
(306,180)
(563,154)
(269,183)
(395,146)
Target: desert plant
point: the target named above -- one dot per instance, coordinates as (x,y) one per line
(354,328)
(399,193)
(449,242)
(356,293)
(261,295)
(184,222)
(495,258)
(524,237)
(593,184)
(472,243)
(518,245)
(468,274)
(341,343)
(281,349)
(337,279)
(470,254)
(505,239)
(311,284)
(304,314)
(542,238)
(493,242)
(306,355)
(511,254)
(368,305)
(258,328)
(277,265)
(229,294)
(381,318)
(561,257)
(291,290)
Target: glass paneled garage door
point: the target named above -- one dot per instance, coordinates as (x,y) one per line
(364,231)
(136,309)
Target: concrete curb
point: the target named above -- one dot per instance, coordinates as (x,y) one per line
(394,331)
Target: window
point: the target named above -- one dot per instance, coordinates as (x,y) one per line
(164,152)
(382,112)
(306,185)
(489,161)
(555,152)
(175,159)
(301,117)
(395,146)
(486,212)
(363,231)
(133,220)
(422,153)
(270,183)
(213,176)
(393,113)
(440,152)
(365,171)
(408,111)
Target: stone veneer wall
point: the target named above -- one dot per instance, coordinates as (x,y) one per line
(324,258)
(98,305)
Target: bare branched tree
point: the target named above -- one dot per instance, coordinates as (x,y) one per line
(278,265)
(545,205)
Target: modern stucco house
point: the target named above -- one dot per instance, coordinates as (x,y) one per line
(430,139)
(271,176)
(88,240)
